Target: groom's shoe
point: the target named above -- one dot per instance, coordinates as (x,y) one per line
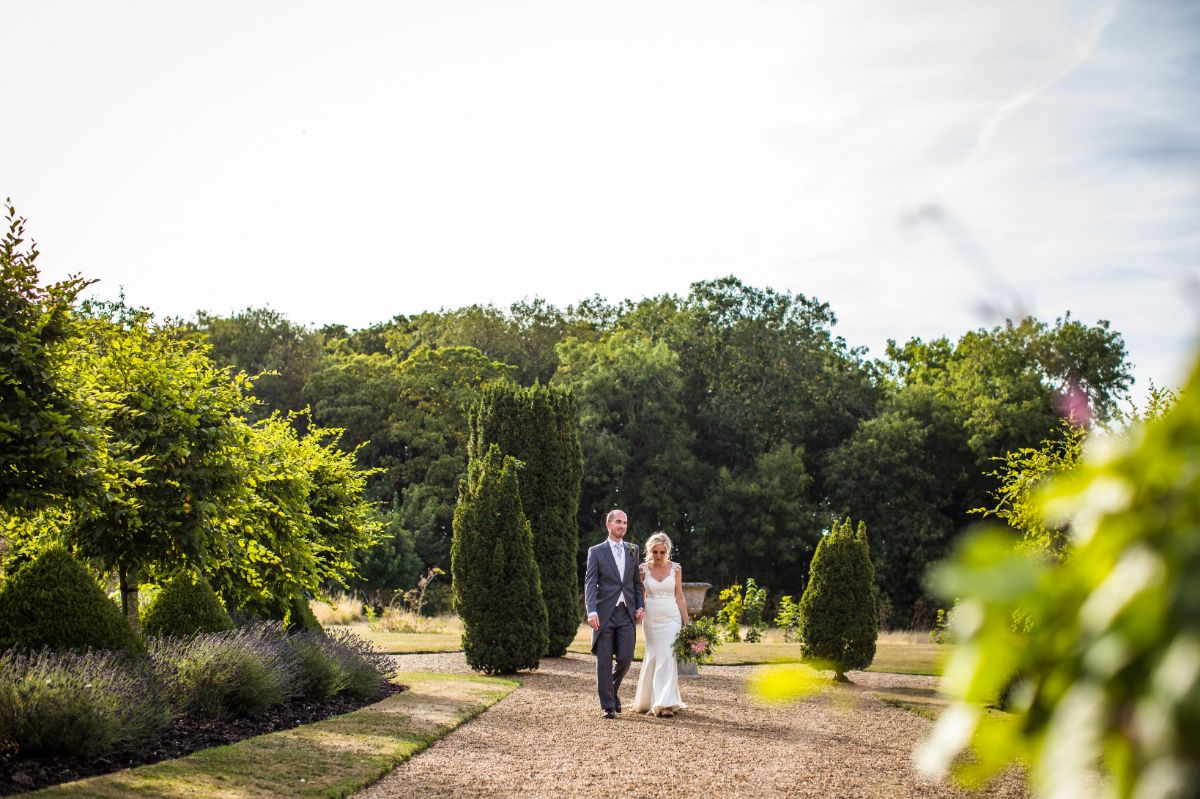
(618,707)
(610,714)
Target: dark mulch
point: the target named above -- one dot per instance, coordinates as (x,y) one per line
(187,735)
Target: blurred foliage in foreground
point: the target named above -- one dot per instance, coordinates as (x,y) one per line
(1103,669)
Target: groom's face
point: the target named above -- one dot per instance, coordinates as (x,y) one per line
(617,526)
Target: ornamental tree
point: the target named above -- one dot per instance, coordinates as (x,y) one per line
(171,425)
(497,591)
(45,443)
(297,522)
(538,426)
(838,624)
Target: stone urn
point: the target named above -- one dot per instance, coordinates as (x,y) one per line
(693,595)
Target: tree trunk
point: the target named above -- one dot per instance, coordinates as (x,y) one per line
(129,594)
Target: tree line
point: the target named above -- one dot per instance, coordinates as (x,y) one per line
(734,418)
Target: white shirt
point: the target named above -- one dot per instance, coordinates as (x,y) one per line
(618,550)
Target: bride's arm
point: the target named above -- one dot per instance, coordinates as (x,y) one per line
(679,600)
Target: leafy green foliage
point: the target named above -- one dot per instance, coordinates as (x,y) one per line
(171,423)
(261,342)
(298,616)
(787,618)
(392,563)
(405,413)
(185,605)
(740,607)
(760,367)
(838,624)
(45,436)
(636,442)
(296,522)
(408,415)
(733,418)
(904,473)
(54,602)
(768,498)
(753,604)
(729,617)
(538,427)
(1026,470)
(497,590)
(915,470)
(1107,661)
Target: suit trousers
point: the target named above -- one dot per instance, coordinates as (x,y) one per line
(615,640)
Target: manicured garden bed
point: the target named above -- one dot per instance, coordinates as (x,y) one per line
(184,736)
(332,758)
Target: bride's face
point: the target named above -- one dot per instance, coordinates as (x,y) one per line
(658,554)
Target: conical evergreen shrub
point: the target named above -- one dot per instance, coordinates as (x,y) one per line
(497,591)
(838,623)
(53,601)
(539,426)
(185,605)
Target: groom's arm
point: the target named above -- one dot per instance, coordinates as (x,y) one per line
(639,601)
(591,581)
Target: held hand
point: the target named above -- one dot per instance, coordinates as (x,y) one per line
(640,613)
(594,622)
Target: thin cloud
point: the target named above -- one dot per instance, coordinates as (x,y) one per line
(1078,51)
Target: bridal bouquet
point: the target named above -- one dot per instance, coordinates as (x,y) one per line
(697,641)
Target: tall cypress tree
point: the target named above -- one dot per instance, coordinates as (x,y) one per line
(539,426)
(497,592)
(838,621)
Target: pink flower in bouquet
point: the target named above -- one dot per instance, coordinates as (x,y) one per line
(699,645)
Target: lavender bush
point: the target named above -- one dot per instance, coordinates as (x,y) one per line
(84,703)
(235,673)
(321,673)
(367,673)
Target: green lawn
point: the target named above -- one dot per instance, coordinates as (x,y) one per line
(332,758)
(897,653)
(410,643)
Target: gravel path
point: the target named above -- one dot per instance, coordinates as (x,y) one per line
(548,739)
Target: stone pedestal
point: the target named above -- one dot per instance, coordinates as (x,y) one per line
(693,595)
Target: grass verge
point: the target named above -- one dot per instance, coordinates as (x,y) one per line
(332,758)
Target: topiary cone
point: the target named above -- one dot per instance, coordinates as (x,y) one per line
(186,605)
(53,601)
(838,623)
(497,590)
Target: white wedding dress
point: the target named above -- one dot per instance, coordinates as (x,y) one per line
(658,685)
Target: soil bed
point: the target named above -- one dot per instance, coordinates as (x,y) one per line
(187,735)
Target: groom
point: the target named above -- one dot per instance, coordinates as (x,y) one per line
(612,594)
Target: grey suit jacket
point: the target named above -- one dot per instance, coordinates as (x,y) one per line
(602,584)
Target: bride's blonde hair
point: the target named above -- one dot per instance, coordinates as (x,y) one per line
(656,539)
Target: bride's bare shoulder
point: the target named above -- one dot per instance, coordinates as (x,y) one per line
(675,567)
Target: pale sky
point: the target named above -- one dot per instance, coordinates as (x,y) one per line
(925,167)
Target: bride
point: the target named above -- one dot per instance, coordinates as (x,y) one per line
(666,611)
